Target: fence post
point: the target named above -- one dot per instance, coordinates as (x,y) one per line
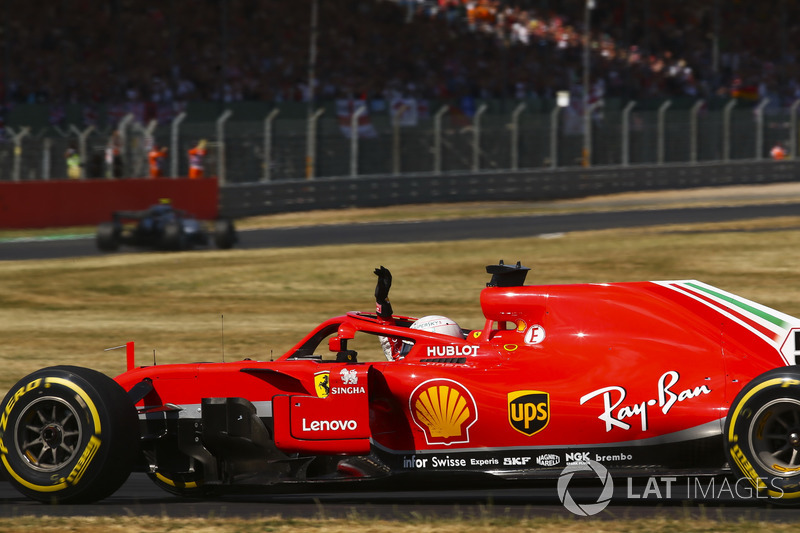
(223,118)
(694,130)
(793,129)
(139,157)
(726,133)
(82,136)
(588,143)
(437,139)
(476,138)
(47,144)
(354,138)
(396,138)
(760,128)
(626,132)
(515,135)
(311,143)
(662,114)
(174,147)
(267,171)
(123,139)
(17,138)
(554,136)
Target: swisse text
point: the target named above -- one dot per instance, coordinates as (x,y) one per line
(452,350)
(330,425)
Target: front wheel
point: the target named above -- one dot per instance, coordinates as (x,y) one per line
(69,435)
(762,434)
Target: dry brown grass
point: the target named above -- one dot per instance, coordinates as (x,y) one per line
(68,311)
(355,524)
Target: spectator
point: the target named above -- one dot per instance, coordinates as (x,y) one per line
(71,52)
(73,163)
(197,157)
(155,158)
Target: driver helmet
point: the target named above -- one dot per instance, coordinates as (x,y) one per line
(434,324)
(438,324)
(431,323)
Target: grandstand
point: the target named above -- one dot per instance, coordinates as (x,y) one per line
(73,71)
(95,52)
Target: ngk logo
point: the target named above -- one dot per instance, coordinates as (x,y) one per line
(577,458)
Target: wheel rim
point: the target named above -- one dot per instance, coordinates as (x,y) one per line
(48,434)
(775,437)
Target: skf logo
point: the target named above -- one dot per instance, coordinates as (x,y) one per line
(322,383)
(444,410)
(516,461)
(528,411)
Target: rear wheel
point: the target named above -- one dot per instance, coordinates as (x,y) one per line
(108,236)
(69,435)
(186,484)
(174,238)
(763,434)
(224,234)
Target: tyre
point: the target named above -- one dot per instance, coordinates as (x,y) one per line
(108,236)
(69,435)
(173,238)
(762,434)
(224,234)
(187,485)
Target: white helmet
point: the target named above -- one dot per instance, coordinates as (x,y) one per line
(438,324)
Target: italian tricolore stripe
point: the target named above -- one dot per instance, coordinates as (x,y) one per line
(769,325)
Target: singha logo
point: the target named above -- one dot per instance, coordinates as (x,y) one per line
(349,377)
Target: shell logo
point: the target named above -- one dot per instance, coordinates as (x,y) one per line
(444,410)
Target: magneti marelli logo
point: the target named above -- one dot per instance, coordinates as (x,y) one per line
(585,509)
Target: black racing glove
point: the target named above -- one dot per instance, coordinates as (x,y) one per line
(382,304)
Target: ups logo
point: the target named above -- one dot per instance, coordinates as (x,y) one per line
(528,411)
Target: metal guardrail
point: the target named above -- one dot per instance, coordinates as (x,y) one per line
(252,199)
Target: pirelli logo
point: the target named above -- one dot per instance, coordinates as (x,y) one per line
(528,411)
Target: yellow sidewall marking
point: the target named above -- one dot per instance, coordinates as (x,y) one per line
(95,420)
(747,396)
(776,381)
(168,481)
(37,488)
(85,397)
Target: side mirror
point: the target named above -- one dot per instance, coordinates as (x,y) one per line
(335,344)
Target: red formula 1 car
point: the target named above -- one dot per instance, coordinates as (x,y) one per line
(645,378)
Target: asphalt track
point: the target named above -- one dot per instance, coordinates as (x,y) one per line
(631,499)
(439,230)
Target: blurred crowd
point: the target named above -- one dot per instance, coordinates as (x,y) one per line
(174,51)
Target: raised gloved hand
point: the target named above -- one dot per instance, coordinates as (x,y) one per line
(382,304)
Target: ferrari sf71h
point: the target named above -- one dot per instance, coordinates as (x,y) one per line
(645,378)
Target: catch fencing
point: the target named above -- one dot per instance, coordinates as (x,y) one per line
(272,160)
